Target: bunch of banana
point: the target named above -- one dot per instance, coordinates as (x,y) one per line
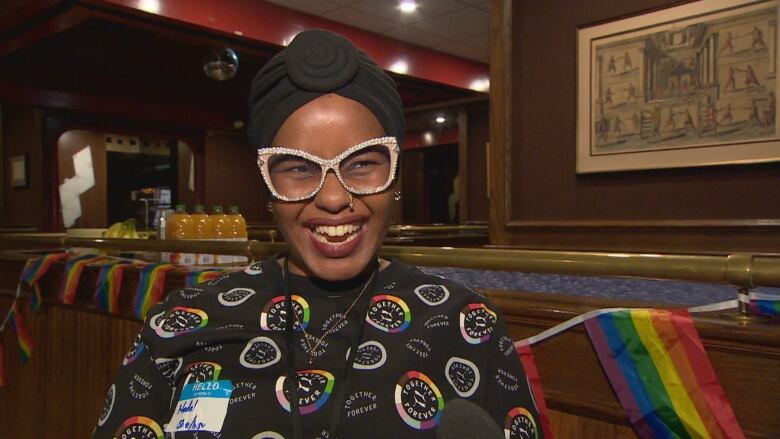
(122,229)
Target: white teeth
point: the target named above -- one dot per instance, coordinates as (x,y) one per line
(339,230)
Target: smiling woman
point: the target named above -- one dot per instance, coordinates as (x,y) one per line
(332,340)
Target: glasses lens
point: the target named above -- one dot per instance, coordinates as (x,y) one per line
(368,168)
(293,176)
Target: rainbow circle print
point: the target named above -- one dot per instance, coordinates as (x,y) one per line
(388,313)
(180,321)
(477,323)
(314,389)
(139,427)
(272,317)
(418,401)
(519,423)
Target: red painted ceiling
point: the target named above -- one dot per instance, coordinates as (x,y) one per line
(83,57)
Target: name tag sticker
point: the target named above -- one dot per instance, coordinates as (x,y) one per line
(201,407)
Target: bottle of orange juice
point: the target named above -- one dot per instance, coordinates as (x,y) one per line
(204,229)
(237,231)
(222,232)
(181,226)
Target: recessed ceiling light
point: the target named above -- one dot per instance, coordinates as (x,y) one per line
(400,67)
(407,6)
(480,84)
(441,119)
(151,6)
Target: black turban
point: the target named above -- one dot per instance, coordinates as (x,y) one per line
(315,63)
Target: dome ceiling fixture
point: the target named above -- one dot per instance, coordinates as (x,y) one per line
(221,64)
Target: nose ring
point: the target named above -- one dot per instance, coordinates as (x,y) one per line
(351,204)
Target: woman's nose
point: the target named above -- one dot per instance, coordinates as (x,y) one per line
(333,197)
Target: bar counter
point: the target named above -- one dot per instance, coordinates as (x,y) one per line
(79,348)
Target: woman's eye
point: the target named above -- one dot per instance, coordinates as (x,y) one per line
(293,166)
(362,164)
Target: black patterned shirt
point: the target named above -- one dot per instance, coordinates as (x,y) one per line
(421,341)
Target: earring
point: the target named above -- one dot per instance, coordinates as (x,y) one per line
(351,204)
(397,195)
(270,207)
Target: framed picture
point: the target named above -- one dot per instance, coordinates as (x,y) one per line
(20,172)
(692,85)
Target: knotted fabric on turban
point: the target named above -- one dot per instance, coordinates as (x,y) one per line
(315,63)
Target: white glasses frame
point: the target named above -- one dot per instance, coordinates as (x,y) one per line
(328,164)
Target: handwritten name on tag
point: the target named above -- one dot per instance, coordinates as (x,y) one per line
(201,407)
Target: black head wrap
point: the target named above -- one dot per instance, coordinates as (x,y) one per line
(315,63)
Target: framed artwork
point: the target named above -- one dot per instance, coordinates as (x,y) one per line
(691,85)
(20,171)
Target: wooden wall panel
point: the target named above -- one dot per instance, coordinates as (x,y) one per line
(21,133)
(478,121)
(232,176)
(61,388)
(542,203)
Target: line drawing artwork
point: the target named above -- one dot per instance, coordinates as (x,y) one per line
(704,82)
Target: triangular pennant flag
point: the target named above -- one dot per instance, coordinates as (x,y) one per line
(532,373)
(151,281)
(23,336)
(34,269)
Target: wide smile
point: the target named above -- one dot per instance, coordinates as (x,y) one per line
(337,239)
(338,233)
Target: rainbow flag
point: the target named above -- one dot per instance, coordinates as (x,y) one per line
(766,304)
(151,282)
(34,269)
(72,275)
(23,336)
(108,286)
(537,392)
(649,358)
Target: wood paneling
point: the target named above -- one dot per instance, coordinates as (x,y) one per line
(21,133)
(232,176)
(478,122)
(542,203)
(60,391)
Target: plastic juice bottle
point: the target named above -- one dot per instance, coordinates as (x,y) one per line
(221,232)
(181,226)
(204,229)
(237,231)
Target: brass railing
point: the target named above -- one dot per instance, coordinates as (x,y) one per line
(744,271)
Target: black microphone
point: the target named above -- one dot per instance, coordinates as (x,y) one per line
(462,419)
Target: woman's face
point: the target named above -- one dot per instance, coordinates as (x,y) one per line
(325,127)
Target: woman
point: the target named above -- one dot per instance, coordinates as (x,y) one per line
(369,347)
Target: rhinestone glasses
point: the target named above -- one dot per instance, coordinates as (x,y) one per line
(294,175)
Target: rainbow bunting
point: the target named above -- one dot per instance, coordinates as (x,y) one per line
(765,304)
(34,269)
(529,367)
(193,278)
(23,336)
(108,286)
(657,365)
(2,365)
(72,275)
(151,281)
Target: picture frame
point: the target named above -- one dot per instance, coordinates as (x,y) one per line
(690,85)
(19,171)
